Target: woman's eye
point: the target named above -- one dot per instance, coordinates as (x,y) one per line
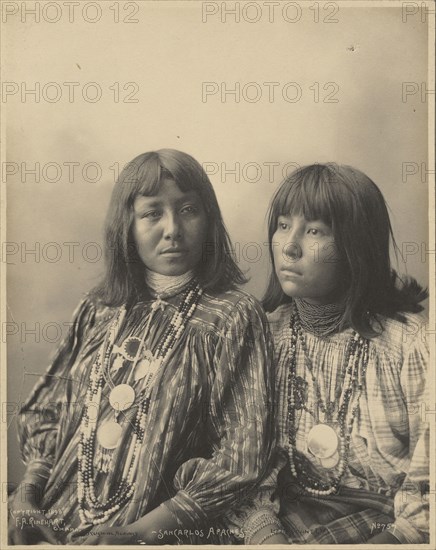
(313,231)
(152,215)
(283,226)
(189,209)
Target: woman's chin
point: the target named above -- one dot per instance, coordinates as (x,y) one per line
(172,270)
(291,289)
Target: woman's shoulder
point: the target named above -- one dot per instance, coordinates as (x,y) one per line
(232,298)
(90,306)
(397,336)
(279,318)
(224,306)
(279,323)
(280,315)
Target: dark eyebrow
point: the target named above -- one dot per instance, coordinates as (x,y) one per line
(320,221)
(189,196)
(140,207)
(153,202)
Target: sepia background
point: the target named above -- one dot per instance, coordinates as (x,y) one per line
(250,90)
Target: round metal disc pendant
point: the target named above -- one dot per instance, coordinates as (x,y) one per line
(122,397)
(109,434)
(322,441)
(331,461)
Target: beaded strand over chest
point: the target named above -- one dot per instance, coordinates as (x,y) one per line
(350,387)
(92,509)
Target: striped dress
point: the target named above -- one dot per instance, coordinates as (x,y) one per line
(386,484)
(208,431)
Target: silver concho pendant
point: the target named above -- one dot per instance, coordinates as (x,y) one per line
(322,442)
(122,397)
(331,461)
(109,434)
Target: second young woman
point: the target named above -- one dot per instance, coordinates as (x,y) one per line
(352,464)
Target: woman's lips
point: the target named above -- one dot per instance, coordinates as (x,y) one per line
(287,272)
(290,270)
(174,252)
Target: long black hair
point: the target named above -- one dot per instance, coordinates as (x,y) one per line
(353,206)
(124,277)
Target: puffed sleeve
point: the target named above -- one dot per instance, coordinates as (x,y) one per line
(239,422)
(411,501)
(38,418)
(263,503)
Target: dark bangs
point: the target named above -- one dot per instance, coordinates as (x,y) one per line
(309,192)
(144,175)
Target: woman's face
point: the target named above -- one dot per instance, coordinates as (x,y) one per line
(169,229)
(306,259)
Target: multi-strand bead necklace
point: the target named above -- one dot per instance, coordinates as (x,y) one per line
(331,447)
(92,509)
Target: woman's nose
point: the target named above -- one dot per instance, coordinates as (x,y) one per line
(172,228)
(292,249)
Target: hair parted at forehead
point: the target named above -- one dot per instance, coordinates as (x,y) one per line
(143,176)
(353,206)
(145,173)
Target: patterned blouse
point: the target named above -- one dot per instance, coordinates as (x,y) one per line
(208,431)
(389,449)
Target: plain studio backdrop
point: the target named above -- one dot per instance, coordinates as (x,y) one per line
(250,90)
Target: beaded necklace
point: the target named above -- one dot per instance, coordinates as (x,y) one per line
(92,509)
(319,319)
(325,405)
(323,441)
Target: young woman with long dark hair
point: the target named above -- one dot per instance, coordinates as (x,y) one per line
(155,414)
(352,463)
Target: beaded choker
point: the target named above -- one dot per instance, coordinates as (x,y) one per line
(165,286)
(329,439)
(92,509)
(321,320)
